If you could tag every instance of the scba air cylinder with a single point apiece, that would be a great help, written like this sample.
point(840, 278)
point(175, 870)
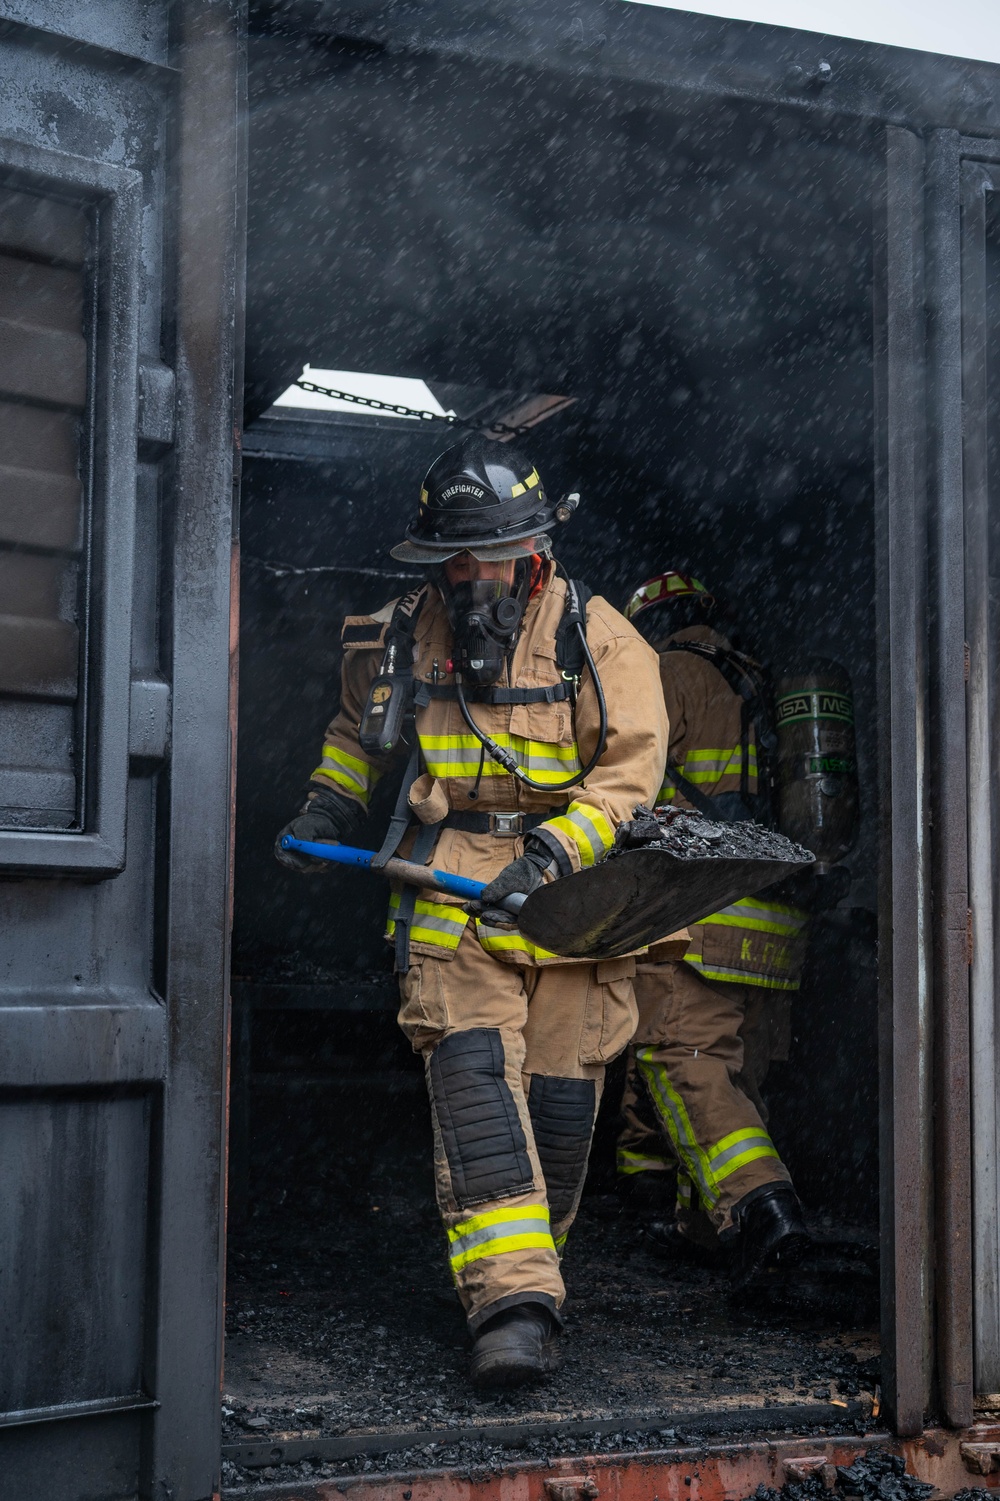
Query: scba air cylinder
point(817, 762)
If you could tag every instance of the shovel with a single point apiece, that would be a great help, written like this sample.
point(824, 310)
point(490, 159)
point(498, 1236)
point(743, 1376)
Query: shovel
point(638, 896)
point(621, 904)
point(401, 870)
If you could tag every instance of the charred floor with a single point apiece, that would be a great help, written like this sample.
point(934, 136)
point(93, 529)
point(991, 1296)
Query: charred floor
point(344, 1333)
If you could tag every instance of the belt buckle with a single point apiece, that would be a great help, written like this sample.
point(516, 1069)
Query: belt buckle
point(506, 825)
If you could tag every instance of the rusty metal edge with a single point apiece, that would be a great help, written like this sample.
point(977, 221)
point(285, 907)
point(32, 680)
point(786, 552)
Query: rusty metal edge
point(719, 1472)
point(730, 1420)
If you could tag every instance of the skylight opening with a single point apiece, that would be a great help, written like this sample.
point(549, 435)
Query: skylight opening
point(399, 390)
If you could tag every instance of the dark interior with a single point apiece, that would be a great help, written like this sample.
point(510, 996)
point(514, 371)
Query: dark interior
point(698, 277)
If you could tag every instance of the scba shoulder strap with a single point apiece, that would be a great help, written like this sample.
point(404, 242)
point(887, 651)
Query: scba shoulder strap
point(390, 697)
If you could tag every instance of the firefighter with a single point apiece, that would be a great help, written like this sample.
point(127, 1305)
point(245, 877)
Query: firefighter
point(714, 1002)
point(538, 724)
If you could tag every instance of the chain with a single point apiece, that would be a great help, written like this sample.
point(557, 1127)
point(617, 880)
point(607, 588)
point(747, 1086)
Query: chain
point(389, 406)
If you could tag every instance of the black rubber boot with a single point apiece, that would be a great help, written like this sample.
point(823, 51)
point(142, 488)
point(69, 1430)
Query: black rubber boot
point(514, 1348)
point(666, 1239)
point(772, 1233)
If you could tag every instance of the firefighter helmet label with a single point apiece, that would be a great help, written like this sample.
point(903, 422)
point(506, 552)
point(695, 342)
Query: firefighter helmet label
point(475, 492)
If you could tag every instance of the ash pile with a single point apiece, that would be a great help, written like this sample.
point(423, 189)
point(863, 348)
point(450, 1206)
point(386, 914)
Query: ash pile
point(688, 835)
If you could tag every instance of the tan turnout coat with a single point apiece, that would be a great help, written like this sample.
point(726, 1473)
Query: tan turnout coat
point(550, 740)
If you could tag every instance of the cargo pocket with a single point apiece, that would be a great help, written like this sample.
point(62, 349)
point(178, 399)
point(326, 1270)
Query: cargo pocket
point(544, 741)
point(423, 1008)
point(611, 1016)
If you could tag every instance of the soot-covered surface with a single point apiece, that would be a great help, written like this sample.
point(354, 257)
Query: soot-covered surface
point(341, 1320)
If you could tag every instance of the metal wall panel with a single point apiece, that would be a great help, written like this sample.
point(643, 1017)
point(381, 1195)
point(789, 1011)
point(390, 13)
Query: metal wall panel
point(73, 1175)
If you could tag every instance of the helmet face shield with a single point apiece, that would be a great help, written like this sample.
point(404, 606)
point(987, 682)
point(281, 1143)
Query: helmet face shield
point(486, 552)
point(485, 601)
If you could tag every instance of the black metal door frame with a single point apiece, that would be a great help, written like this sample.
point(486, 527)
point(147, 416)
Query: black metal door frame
point(939, 1027)
point(976, 164)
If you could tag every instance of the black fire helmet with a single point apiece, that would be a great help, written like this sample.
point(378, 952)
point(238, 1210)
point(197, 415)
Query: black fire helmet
point(480, 496)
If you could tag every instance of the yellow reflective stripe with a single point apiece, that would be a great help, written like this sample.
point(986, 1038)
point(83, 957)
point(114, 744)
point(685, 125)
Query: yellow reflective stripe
point(491, 1217)
point(721, 756)
point(674, 1114)
point(536, 1240)
point(739, 976)
point(499, 1231)
point(778, 909)
point(460, 755)
point(738, 1148)
point(433, 923)
point(639, 1162)
point(529, 484)
point(344, 780)
point(451, 745)
point(504, 941)
point(684, 1191)
point(707, 765)
point(762, 917)
point(743, 920)
point(561, 1240)
point(587, 827)
point(347, 771)
point(345, 759)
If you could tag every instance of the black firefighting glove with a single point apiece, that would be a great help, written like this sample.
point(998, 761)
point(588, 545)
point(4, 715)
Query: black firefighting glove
point(522, 875)
point(326, 818)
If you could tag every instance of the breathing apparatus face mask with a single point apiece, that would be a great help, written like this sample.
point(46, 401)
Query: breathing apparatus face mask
point(485, 615)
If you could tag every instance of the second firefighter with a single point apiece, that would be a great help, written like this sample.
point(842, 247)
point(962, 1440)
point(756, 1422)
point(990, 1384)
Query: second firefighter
point(713, 1003)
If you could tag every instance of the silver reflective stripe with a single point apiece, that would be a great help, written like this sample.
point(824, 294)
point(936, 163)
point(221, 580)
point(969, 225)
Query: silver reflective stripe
point(594, 839)
point(790, 922)
point(466, 756)
point(424, 919)
point(360, 780)
point(749, 1143)
point(681, 1132)
point(531, 1225)
point(741, 976)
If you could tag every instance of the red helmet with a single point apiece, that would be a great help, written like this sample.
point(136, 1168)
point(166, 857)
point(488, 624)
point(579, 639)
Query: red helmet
point(664, 589)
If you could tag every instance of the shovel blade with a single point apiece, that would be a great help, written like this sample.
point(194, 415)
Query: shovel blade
point(637, 897)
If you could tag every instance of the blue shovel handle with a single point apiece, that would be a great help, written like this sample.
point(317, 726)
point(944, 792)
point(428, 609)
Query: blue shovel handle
point(400, 870)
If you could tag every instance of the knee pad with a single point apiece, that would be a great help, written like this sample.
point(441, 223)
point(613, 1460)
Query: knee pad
point(476, 1113)
point(562, 1118)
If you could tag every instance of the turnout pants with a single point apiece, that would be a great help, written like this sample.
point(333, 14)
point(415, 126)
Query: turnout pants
point(692, 1094)
point(515, 1059)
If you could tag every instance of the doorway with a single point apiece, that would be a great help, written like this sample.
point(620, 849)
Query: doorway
point(697, 277)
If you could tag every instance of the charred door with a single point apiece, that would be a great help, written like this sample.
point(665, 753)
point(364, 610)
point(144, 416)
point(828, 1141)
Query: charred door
point(118, 273)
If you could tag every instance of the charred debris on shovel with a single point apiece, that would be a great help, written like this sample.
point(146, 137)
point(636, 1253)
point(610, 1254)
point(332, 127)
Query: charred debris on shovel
point(688, 835)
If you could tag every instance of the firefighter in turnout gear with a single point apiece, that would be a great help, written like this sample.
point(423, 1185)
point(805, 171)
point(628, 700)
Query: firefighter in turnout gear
point(531, 720)
point(714, 1002)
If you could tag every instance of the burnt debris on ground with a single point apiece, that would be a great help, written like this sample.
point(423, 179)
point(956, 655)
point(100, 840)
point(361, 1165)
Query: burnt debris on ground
point(341, 1319)
point(690, 836)
point(875, 1476)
